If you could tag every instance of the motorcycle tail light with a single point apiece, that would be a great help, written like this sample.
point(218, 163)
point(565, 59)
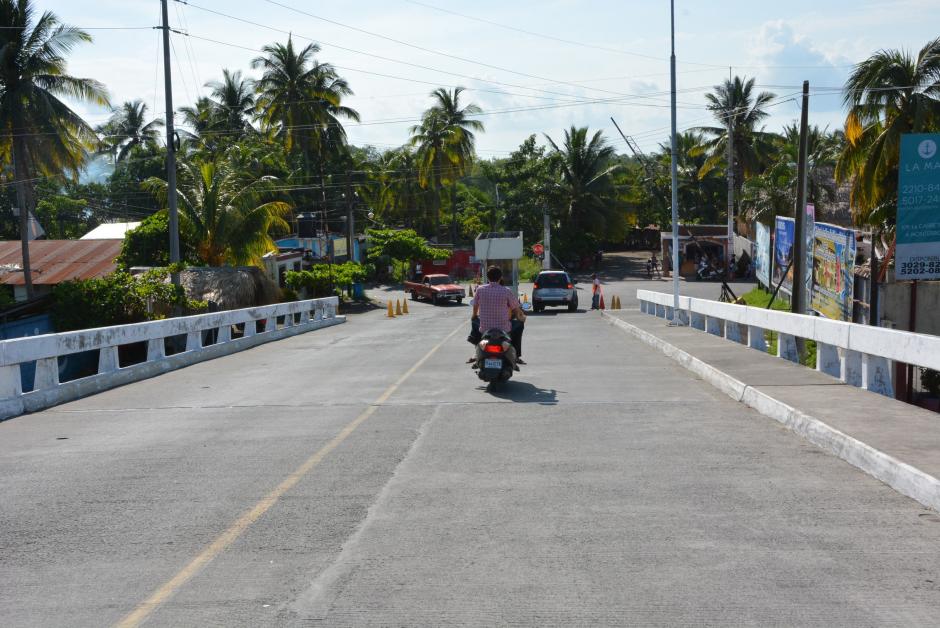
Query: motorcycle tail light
point(570, 286)
point(493, 348)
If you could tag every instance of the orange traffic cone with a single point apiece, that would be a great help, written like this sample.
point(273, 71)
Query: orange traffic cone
point(404, 306)
point(602, 300)
point(397, 307)
point(391, 312)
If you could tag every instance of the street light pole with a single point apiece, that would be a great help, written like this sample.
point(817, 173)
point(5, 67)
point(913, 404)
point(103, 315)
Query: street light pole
point(350, 224)
point(675, 170)
point(170, 149)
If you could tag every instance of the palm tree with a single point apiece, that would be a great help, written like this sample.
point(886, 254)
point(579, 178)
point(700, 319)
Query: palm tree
point(229, 213)
point(399, 197)
point(701, 194)
point(127, 129)
point(328, 91)
point(285, 92)
point(302, 99)
point(42, 133)
point(200, 118)
point(585, 183)
point(734, 101)
point(235, 100)
point(446, 142)
point(888, 94)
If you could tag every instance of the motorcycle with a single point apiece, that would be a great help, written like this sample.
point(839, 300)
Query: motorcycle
point(496, 357)
point(707, 273)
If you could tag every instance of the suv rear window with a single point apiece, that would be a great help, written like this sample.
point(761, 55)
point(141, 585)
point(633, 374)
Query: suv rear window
point(552, 280)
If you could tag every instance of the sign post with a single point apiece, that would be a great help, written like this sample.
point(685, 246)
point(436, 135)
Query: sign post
point(917, 254)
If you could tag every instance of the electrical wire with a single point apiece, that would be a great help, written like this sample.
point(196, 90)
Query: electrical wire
point(390, 59)
point(552, 37)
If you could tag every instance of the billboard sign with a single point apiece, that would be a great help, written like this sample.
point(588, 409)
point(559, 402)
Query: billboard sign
point(762, 259)
point(917, 254)
point(783, 253)
point(833, 271)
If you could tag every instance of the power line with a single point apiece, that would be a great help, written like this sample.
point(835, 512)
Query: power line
point(551, 37)
point(87, 28)
point(408, 44)
point(187, 45)
point(385, 58)
point(605, 48)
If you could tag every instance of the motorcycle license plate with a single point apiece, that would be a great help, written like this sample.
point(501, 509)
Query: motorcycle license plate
point(492, 364)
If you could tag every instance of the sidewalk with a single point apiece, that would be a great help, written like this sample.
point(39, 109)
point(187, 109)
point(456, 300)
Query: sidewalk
point(895, 442)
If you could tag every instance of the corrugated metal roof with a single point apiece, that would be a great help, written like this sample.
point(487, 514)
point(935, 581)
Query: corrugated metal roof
point(55, 261)
point(110, 231)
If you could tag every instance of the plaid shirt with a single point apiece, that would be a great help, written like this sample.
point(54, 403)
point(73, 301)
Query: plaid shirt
point(495, 302)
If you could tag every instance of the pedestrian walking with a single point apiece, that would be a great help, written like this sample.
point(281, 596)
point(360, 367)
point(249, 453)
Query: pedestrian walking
point(596, 296)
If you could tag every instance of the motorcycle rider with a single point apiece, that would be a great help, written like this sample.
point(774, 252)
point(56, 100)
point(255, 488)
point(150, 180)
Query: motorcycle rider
point(493, 304)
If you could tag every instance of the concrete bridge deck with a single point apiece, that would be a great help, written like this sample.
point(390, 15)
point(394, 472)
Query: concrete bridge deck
point(360, 476)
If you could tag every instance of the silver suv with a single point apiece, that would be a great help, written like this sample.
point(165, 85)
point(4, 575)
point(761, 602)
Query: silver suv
point(554, 287)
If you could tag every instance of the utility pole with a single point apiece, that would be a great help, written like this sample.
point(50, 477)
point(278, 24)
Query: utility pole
point(675, 169)
point(350, 225)
point(21, 200)
point(495, 211)
point(873, 295)
point(798, 300)
point(170, 149)
point(453, 213)
point(730, 187)
point(546, 241)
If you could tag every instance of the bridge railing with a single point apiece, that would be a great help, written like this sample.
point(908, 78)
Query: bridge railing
point(151, 348)
point(859, 355)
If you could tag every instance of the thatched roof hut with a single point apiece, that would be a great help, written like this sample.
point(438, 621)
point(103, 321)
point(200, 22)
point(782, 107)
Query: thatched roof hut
point(230, 288)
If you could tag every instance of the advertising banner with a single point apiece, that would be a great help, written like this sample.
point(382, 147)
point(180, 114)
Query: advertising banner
point(762, 259)
point(917, 254)
point(833, 271)
point(783, 253)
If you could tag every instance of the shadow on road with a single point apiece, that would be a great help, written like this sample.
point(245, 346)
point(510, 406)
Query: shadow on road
point(522, 392)
point(625, 265)
point(555, 312)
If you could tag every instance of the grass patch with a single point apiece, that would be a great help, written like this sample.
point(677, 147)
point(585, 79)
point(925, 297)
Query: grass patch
point(529, 269)
point(758, 297)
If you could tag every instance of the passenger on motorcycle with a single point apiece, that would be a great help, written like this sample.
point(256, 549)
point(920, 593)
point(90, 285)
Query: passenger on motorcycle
point(493, 305)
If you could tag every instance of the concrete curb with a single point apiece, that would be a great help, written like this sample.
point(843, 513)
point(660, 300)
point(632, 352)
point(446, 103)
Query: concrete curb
point(900, 476)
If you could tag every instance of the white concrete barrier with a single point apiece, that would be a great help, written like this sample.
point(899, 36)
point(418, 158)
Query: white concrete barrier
point(257, 326)
point(860, 355)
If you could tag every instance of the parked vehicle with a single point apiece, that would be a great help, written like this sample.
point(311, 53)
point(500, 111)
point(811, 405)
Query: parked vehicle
point(554, 287)
point(496, 357)
point(436, 288)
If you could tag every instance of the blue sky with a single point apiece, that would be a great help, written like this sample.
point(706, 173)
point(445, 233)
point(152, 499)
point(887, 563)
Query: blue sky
point(527, 83)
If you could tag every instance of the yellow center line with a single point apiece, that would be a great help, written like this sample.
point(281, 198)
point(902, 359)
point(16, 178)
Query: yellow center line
point(224, 540)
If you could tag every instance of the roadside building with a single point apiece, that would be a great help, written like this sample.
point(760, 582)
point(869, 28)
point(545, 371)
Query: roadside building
point(277, 265)
point(55, 261)
point(110, 231)
point(695, 242)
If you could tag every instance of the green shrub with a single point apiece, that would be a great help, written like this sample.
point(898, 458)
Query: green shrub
point(149, 243)
point(529, 268)
point(316, 281)
point(118, 299)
